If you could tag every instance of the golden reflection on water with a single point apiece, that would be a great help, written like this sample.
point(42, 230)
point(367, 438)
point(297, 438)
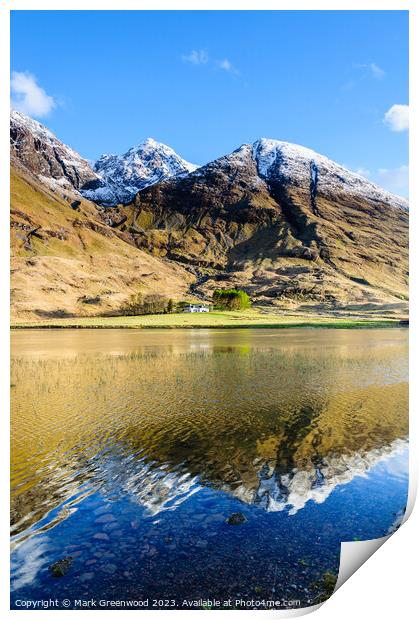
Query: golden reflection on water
point(272, 416)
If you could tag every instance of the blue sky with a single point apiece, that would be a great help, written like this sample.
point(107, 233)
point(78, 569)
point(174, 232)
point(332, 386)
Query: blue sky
point(205, 82)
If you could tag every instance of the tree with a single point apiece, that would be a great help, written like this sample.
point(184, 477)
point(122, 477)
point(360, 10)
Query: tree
point(150, 304)
point(231, 299)
point(135, 304)
point(154, 304)
point(170, 306)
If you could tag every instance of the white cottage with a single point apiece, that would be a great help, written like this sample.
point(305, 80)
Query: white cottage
point(196, 308)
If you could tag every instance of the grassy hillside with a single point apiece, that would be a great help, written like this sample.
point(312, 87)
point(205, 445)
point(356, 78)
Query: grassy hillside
point(65, 261)
point(244, 318)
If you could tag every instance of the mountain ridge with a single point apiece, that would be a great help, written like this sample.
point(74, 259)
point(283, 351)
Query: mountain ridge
point(112, 179)
point(265, 150)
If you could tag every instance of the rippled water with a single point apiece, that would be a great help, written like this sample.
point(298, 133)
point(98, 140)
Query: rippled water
point(131, 449)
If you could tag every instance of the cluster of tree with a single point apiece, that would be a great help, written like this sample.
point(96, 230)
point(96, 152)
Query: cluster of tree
point(155, 303)
point(149, 304)
point(231, 299)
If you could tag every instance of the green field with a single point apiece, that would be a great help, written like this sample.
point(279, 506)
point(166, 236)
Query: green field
point(233, 319)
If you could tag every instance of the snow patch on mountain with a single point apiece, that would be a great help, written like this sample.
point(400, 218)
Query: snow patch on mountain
point(66, 156)
point(44, 155)
point(296, 165)
point(36, 128)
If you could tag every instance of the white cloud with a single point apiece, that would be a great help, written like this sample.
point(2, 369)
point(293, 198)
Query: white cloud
point(196, 57)
point(377, 72)
point(395, 179)
point(228, 66)
point(373, 69)
point(28, 97)
point(363, 172)
point(397, 117)
point(201, 57)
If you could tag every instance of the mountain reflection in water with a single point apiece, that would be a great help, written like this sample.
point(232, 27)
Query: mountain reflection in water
point(271, 418)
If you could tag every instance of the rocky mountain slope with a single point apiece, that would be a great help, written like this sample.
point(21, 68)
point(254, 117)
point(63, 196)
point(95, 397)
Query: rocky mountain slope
point(33, 147)
point(113, 179)
point(282, 222)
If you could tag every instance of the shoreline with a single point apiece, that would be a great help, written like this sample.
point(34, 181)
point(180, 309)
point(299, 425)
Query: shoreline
point(220, 320)
point(190, 327)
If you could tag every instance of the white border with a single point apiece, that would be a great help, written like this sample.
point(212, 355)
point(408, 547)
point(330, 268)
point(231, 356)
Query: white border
point(386, 586)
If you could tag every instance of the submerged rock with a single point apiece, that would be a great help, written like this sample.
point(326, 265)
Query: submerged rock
point(237, 518)
point(61, 568)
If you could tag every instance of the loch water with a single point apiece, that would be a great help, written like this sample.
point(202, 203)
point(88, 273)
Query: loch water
point(167, 467)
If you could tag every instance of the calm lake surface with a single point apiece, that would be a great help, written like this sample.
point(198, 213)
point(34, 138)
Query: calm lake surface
point(132, 448)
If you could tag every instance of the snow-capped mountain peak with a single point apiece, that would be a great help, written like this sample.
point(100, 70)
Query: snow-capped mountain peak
point(52, 161)
point(141, 166)
point(298, 165)
point(151, 142)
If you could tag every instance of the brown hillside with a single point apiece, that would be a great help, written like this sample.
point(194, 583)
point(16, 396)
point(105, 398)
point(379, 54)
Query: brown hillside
point(273, 237)
point(66, 261)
